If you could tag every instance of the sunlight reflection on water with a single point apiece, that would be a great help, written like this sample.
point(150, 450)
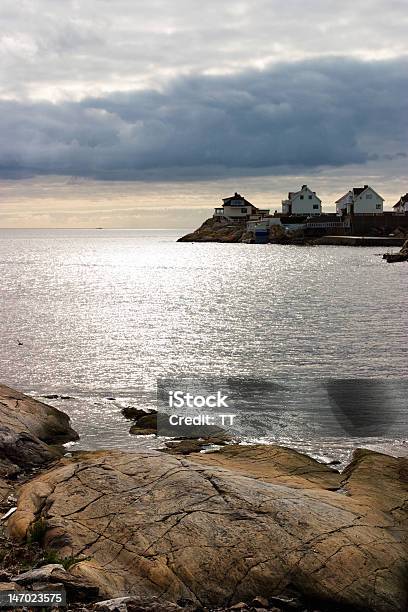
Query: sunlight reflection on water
point(105, 313)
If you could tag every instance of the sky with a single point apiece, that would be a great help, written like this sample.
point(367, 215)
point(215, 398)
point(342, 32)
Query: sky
point(144, 115)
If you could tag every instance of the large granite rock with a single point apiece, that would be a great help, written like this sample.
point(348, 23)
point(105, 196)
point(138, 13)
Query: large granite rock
point(22, 413)
point(154, 524)
point(28, 428)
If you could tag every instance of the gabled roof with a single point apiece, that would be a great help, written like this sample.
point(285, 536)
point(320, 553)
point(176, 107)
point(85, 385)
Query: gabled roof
point(237, 196)
point(356, 191)
point(343, 196)
point(359, 190)
point(293, 194)
point(403, 200)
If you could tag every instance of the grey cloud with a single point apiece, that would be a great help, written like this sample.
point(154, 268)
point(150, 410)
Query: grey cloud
point(303, 115)
point(54, 49)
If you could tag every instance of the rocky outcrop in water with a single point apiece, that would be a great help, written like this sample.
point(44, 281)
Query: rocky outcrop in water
point(221, 529)
point(214, 230)
point(30, 434)
point(22, 413)
point(145, 425)
point(144, 421)
point(402, 255)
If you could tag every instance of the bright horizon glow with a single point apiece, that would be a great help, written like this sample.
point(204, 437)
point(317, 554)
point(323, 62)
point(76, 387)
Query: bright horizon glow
point(60, 202)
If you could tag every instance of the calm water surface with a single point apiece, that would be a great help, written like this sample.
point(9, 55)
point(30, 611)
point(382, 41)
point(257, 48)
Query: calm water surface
point(105, 313)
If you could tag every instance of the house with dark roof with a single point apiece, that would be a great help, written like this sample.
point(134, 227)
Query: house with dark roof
point(238, 208)
point(360, 201)
point(302, 202)
point(401, 207)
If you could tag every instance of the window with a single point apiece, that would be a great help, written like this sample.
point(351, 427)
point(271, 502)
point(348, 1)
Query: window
point(378, 206)
point(243, 210)
point(316, 206)
point(369, 196)
point(302, 197)
point(310, 197)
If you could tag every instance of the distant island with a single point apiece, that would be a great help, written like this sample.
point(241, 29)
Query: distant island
point(359, 219)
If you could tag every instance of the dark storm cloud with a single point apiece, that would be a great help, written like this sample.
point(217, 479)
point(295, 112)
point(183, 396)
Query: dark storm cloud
point(318, 112)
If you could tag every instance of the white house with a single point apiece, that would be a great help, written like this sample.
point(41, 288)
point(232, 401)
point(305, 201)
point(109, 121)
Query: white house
point(237, 208)
point(360, 201)
point(302, 202)
point(401, 207)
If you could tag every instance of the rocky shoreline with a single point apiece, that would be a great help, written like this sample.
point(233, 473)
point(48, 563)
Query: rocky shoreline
point(214, 230)
point(402, 254)
point(224, 230)
point(242, 528)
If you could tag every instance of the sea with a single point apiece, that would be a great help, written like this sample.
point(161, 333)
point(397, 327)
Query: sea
point(316, 337)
